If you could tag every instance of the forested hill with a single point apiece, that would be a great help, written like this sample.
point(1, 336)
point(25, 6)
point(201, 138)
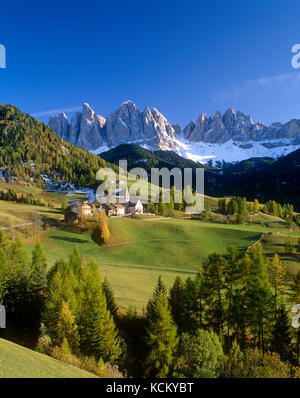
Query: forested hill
point(140, 157)
point(278, 180)
point(29, 150)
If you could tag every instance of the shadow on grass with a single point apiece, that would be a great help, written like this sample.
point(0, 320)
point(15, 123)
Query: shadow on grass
point(51, 211)
point(69, 239)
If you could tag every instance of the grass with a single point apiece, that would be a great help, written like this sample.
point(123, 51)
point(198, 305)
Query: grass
point(12, 213)
point(134, 286)
point(266, 220)
point(166, 243)
point(161, 243)
point(275, 243)
point(20, 362)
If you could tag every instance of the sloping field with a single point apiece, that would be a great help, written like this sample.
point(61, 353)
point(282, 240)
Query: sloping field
point(19, 362)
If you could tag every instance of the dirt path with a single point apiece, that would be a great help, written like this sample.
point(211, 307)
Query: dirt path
point(16, 226)
point(132, 242)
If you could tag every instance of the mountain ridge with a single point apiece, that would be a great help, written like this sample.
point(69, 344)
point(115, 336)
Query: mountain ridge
point(232, 136)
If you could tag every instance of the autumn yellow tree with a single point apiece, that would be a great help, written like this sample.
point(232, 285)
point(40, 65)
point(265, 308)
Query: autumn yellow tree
point(256, 205)
point(277, 276)
point(102, 233)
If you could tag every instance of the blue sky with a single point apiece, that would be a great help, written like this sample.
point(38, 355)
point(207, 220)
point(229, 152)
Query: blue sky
point(182, 56)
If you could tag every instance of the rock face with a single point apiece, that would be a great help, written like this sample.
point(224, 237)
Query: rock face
point(149, 128)
point(60, 125)
point(128, 124)
point(238, 127)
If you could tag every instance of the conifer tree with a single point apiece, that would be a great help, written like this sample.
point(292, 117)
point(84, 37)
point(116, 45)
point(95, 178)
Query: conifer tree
point(39, 267)
point(110, 299)
point(161, 338)
point(98, 334)
point(159, 289)
point(67, 328)
point(193, 304)
point(281, 336)
point(258, 294)
point(62, 285)
point(75, 261)
point(277, 277)
point(176, 302)
point(213, 283)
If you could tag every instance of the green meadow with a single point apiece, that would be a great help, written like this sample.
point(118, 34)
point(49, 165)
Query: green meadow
point(19, 362)
point(142, 249)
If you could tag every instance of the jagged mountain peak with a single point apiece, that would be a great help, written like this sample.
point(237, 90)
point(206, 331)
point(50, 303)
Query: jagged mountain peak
point(235, 130)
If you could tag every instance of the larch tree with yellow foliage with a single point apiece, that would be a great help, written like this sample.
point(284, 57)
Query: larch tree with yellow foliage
point(256, 205)
point(277, 276)
point(102, 232)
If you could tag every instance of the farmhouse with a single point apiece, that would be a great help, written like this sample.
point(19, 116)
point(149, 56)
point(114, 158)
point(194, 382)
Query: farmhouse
point(85, 207)
point(134, 208)
point(72, 212)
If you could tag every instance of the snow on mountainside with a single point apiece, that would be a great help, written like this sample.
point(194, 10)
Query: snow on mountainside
point(230, 137)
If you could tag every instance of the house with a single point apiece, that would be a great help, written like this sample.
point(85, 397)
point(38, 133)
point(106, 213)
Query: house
point(110, 210)
point(85, 207)
point(70, 216)
point(120, 210)
point(134, 208)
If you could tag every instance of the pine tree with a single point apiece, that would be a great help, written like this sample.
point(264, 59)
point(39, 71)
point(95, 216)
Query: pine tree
point(98, 334)
point(277, 277)
point(67, 328)
point(281, 336)
point(193, 304)
point(159, 289)
point(162, 339)
point(39, 267)
point(213, 283)
point(258, 294)
point(110, 298)
point(75, 261)
point(62, 285)
point(176, 302)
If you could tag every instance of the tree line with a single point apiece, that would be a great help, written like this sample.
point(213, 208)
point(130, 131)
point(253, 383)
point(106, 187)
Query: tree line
point(230, 320)
point(12, 195)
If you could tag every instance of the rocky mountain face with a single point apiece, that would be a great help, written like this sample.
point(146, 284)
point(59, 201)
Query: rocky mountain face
point(240, 128)
point(150, 129)
point(127, 124)
point(85, 130)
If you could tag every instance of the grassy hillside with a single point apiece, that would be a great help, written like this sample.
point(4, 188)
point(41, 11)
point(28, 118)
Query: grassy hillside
point(275, 243)
point(20, 362)
point(142, 249)
point(166, 243)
